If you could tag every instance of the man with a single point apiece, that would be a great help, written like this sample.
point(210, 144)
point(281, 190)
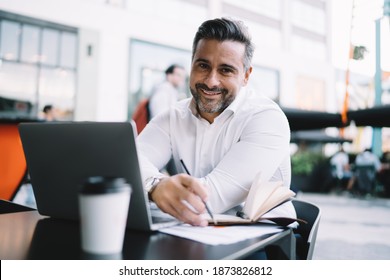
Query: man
point(49, 113)
point(223, 134)
point(166, 94)
point(340, 161)
point(367, 165)
point(368, 157)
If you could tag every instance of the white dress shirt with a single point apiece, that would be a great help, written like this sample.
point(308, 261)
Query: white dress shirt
point(251, 135)
point(340, 161)
point(367, 158)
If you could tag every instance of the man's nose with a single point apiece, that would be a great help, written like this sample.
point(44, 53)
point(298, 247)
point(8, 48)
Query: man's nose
point(212, 79)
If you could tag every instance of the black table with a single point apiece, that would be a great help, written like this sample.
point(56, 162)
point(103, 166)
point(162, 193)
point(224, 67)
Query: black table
point(28, 235)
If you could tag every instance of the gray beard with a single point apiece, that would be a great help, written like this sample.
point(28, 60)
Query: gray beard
point(217, 108)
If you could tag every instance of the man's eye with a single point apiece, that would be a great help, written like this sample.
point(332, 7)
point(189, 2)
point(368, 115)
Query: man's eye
point(226, 70)
point(203, 65)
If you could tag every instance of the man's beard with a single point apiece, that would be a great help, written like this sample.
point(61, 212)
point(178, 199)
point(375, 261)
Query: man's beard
point(210, 105)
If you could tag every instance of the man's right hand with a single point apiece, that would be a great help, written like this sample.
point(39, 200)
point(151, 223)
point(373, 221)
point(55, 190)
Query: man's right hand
point(182, 196)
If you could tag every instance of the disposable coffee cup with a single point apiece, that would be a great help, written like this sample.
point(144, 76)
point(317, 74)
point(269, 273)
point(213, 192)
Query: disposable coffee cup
point(104, 204)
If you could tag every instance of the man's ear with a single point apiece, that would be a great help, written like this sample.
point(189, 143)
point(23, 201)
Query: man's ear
point(246, 77)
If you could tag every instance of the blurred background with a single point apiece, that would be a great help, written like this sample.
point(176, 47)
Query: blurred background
point(94, 60)
point(325, 62)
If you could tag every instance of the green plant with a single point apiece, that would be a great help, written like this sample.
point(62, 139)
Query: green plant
point(303, 163)
point(359, 52)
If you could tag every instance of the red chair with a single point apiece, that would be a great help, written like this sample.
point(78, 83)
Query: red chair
point(13, 167)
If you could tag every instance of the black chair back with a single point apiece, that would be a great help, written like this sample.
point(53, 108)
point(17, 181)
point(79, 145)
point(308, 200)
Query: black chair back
point(307, 233)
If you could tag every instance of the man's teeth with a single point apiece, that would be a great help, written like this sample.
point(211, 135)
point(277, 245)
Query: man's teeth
point(211, 92)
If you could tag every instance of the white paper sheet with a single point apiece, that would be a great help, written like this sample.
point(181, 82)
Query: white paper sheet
point(217, 235)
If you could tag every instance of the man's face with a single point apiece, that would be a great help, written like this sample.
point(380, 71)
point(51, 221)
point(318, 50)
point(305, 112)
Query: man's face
point(217, 75)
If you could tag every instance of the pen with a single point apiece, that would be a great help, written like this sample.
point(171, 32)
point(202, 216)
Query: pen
point(205, 203)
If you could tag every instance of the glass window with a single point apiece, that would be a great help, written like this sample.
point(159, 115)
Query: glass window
point(57, 87)
point(265, 35)
point(308, 48)
point(58, 83)
point(68, 50)
point(310, 93)
point(12, 86)
point(270, 8)
point(50, 47)
point(37, 64)
point(308, 17)
point(30, 44)
point(9, 41)
point(260, 31)
point(265, 81)
point(178, 11)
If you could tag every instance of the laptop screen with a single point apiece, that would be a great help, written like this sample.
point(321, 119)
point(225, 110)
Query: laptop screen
point(61, 155)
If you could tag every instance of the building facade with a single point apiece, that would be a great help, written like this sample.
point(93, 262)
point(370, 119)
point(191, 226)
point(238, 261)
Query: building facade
point(95, 59)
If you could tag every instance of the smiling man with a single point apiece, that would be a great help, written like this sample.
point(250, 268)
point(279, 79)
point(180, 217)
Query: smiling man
point(225, 135)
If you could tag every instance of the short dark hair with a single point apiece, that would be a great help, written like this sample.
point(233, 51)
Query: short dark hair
point(223, 29)
point(47, 108)
point(172, 68)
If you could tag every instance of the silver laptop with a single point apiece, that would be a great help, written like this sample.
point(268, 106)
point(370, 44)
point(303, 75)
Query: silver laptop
point(61, 155)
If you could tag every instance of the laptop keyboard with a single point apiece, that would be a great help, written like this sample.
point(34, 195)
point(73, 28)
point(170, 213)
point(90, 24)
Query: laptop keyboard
point(158, 216)
point(162, 219)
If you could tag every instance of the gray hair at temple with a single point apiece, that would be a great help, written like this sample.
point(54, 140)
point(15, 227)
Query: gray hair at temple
point(223, 29)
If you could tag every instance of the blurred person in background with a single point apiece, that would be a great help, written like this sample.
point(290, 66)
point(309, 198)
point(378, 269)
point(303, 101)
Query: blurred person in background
point(367, 157)
point(166, 94)
point(49, 113)
point(367, 165)
point(341, 168)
